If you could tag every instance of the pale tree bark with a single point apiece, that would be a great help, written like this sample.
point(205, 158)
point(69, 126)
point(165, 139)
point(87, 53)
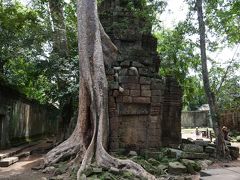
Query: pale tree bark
point(89, 140)
point(222, 150)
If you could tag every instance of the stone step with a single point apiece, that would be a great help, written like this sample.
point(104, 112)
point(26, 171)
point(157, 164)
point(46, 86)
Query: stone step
point(16, 150)
point(4, 155)
point(8, 161)
point(23, 154)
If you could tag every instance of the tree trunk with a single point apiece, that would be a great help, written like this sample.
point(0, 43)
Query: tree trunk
point(220, 142)
point(90, 137)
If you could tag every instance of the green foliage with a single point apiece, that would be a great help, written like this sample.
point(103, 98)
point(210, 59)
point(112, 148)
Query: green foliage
point(223, 17)
point(26, 44)
point(177, 53)
point(21, 38)
point(178, 59)
point(228, 95)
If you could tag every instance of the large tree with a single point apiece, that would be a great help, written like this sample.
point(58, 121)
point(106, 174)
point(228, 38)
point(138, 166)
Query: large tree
point(222, 150)
point(89, 139)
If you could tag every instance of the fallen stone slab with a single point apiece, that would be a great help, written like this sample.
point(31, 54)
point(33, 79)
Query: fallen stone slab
point(176, 168)
point(234, 152)
point(23, 154)
point(174, 153)
point(8, 161)
point(210, 149)
point(192, 155)
point(132, 153)
point(5, 155)
point(187, 141)
point(204, 163)
point(202, 142)
point(192, 148)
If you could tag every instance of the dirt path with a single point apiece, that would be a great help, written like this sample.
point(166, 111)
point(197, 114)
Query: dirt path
point(22, 169)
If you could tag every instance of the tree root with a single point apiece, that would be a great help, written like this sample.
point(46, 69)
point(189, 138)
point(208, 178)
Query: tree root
point(61, 153)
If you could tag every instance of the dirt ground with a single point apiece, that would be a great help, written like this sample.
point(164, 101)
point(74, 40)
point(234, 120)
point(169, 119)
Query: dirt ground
point(22, 169)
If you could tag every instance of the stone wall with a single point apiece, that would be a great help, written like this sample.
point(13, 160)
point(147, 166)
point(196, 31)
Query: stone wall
point(22, 119)
point(231, 119)
point(172, 107)
point(193, 119)
point(142, 105)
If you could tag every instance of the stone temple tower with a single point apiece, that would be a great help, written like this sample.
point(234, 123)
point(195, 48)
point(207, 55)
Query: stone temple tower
point(144, 108)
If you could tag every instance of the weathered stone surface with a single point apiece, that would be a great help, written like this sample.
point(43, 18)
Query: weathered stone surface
point(126, 92)
point(234, 152)
point(187, 141)
point(204, 163)
point(192, 155)
point(119, 99)
point(157, 85)
point(201, 142)
point(123, 72)
point(238, 138)
point(191, 165)
point(131, 86)
point(2, 156)
point(175, 153)
point(125, 64)
point(132, 153)
point(133, 71)
point(127, 99)
point(115, 93)
point(156, 99)
point(146, 93)
point(145, 87)
point(192, 148)
point(137, 64)
point(176, 168)
point(113, 85)
point(156, 92)
point(133, 109)
point(144, 72)
point(128, 79)
point(143, 100)
point(135, 93)
point(8, 161)
point(210, 149)
point(145, 80)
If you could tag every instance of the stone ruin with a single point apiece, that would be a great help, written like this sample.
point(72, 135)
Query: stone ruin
point(22, 119)
point(144, 108)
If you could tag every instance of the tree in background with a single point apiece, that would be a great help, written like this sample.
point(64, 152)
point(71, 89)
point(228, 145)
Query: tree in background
point(222, 149)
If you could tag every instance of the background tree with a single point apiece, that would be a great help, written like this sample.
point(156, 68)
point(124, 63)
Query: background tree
point(222, 150)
